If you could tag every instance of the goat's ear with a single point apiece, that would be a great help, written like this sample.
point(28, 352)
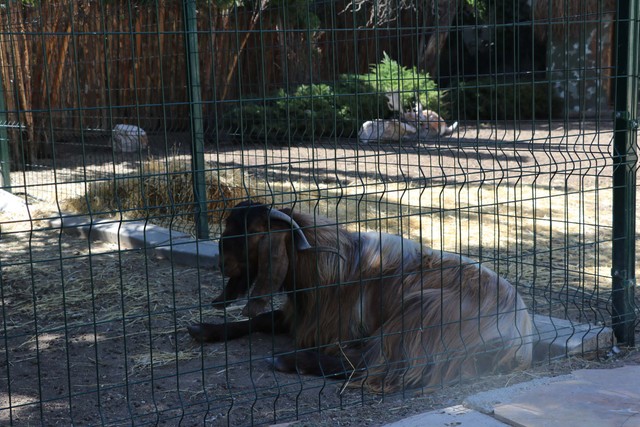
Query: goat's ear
point(273, 265)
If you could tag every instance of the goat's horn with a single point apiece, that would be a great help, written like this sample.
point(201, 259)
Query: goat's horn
point(301, 242)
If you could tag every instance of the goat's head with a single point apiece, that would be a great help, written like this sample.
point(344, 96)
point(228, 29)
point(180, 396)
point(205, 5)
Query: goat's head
point(254, 240)
point(241, 230)
point(247, 224)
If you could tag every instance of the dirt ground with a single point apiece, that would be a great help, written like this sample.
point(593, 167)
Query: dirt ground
point(105, 343)
point(94, 333)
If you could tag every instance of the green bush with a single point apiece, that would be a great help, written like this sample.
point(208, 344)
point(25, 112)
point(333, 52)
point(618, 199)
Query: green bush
point(389, 76)
point(489, 99)
point(310, 111)
point(336, 109)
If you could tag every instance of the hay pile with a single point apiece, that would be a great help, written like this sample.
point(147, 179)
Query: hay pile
point(161, 193)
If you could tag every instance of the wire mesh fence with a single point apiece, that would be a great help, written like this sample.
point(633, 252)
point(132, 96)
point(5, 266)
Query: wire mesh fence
point(418, 147)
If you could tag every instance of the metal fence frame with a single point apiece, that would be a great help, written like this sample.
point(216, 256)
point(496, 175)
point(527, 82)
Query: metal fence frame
point(625, 169)
point(624, 312)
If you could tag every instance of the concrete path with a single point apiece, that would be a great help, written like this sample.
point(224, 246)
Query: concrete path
point(585, 398)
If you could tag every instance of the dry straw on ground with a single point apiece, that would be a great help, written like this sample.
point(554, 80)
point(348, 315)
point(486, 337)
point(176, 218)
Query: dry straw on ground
point(551, 242)
point(122, 314)
point(539, 237)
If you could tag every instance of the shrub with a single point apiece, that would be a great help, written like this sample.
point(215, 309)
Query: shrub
point(310, 111)
point(389, 76)
point(336, 109)
point(489, 99)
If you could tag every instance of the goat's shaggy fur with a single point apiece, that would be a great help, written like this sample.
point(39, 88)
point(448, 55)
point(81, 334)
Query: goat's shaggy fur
point(394, 313)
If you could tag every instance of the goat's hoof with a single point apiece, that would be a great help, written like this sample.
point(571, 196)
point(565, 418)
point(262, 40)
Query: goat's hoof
point(254, 307)
point(286, 363)
point(250, 310)
point(224, 299)
point(197, 332)
point(207, 332)
point(278, 364)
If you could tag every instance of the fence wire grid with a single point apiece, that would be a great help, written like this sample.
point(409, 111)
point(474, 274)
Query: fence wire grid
point(444, 249)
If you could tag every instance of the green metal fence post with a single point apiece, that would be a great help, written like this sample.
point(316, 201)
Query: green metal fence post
point(195, 106)
point(5, 161)
point(624, 172)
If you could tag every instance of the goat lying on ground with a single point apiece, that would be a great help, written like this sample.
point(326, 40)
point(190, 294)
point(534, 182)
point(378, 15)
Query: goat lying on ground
point(385, 311)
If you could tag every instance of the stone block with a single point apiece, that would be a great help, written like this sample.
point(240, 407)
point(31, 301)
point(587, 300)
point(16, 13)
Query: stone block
point(558, 337)
point(190, 252)
point(453, 416)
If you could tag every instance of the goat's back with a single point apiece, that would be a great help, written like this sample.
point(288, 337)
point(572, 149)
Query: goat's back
point(424, 313)
point(452, 319)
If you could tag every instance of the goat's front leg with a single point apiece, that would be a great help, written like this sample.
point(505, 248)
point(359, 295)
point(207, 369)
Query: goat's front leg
point(314, 362)
point(272, 322)
point(236, 286)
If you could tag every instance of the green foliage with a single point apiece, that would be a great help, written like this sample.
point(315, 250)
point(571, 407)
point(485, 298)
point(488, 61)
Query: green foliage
point(359, 100)
point(389, 76)
point(311, 111)
point(488, 99)
point(332, 110)
point(480, 9)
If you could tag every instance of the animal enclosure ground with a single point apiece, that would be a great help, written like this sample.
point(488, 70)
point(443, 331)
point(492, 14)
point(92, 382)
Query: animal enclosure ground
point(95, 333)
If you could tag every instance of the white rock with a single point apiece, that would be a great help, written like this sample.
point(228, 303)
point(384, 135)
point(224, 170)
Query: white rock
point(129, 138)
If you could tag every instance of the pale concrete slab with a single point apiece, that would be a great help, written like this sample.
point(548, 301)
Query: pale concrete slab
point(179, 247)
point(71, 224)
point(588, 397)
point(458, 416)
point(130, 234)
point(190, 252)
point(12, 204)
point(138, 234)
point(558, 337)
point(486, 401)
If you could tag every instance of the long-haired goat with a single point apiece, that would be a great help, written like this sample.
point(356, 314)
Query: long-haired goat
point(384, 311)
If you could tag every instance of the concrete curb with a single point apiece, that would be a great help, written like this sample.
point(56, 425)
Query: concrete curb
point(559, 337)
point(179, 247)
point(12, 204)
point(190, 252)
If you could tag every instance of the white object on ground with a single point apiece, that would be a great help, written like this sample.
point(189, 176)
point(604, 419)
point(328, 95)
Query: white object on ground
point(129, 138)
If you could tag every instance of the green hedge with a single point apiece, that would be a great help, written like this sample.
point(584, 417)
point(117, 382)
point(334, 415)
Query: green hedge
point(334, 109)
point(490, 99)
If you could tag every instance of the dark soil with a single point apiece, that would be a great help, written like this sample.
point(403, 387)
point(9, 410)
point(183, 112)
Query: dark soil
point(95, 334)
